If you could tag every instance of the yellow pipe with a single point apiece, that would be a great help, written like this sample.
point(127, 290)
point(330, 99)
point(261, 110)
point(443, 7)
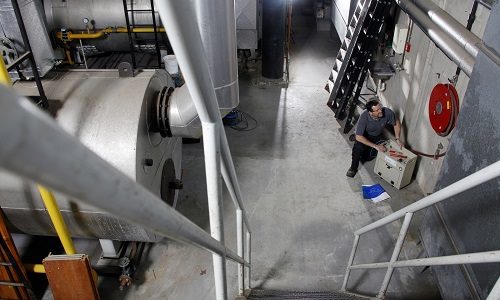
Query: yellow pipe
point(57, 219)
point(34, 268)
point(69, 36)
point(4, 74)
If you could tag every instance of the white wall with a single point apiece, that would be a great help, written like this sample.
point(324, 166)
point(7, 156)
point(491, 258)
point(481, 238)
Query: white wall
point(409, 90)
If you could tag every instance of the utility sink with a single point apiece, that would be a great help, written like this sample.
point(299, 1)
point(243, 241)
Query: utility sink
point(382, 70)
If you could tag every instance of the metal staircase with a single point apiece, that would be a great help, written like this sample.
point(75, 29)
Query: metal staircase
point(354, 57)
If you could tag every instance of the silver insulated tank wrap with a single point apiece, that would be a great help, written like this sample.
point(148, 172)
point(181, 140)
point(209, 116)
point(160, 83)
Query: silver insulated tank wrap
point(112, 116)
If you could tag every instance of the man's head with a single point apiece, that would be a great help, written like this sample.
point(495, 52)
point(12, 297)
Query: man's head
point(374, 109)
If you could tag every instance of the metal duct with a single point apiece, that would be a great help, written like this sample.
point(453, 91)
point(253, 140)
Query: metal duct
point(217, 25)
point(468, 40)
point(439, 36)
point(182, 116)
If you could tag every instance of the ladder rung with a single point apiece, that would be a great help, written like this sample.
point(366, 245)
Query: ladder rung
point(5, 264)
point(360, 5)
point(11, 283)
point(139, 10)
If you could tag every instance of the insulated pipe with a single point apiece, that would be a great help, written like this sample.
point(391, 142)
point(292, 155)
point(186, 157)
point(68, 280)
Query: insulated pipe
point(441, 38)
point(490, 172)
point(450, 25)
point(82, 174)
point(217, 27)
point(182, 115)
point(468, 40)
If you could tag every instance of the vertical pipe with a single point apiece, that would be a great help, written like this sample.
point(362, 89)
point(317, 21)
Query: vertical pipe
point(395, 254)
point(55, 215)
point(273, 37)
point(27, 45)
point(248, 254)
point(239, 239)
point(349, 263)
point(217, 26)
point(211, 146)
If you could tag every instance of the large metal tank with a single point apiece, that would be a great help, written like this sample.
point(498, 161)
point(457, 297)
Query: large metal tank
point(114, 117)
point(70, 14)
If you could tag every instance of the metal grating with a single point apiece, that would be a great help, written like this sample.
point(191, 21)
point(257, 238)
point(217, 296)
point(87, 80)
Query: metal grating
point(301, 295)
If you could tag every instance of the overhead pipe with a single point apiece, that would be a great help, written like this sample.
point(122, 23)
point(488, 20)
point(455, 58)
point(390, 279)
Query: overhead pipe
point(451, 48)
point(468, 40)
point(83, 175)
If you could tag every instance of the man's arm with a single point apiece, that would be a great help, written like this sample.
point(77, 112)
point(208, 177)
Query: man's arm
point(365, 141)
point(397, 132)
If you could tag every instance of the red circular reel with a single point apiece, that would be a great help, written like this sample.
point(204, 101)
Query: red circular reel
point(443, 108)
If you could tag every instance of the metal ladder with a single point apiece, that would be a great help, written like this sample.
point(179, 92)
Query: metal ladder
point(353, 59)
point(132, 37)
point(42, 101)
point(14, 283)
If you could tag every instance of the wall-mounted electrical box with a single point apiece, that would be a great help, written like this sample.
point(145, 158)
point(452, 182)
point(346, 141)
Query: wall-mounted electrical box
point(399, 39)
point(396, 165)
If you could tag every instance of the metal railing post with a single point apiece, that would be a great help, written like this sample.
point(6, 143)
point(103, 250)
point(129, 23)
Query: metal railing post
point(211, 146)
point(248, 254)
point(395, 254)
point(239, 238)
point(349, 263)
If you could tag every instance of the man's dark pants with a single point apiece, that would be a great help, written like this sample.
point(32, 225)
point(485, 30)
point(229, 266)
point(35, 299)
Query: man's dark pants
point(361, 151)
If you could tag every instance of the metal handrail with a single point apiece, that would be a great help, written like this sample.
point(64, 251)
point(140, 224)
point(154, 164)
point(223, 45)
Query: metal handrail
point(475, 179)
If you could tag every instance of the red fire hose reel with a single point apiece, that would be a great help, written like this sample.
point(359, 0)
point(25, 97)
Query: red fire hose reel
point(443, 108)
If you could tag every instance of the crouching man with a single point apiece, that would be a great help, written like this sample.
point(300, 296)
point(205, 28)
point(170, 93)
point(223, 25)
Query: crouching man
point(369, 130)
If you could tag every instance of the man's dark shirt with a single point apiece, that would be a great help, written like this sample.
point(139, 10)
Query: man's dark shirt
point(368, 126)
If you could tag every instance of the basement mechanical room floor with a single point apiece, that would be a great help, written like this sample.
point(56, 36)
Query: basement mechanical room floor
point(302, 208)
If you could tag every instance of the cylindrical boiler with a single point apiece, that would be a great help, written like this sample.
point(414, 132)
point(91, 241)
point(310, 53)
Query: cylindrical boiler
point(114, 117)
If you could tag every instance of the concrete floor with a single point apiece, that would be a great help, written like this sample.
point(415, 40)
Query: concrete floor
point(301, 206)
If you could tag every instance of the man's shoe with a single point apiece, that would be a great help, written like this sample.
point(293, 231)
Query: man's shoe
point(350, 173)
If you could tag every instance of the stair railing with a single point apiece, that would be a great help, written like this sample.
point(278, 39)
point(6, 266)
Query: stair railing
point(475, 179)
